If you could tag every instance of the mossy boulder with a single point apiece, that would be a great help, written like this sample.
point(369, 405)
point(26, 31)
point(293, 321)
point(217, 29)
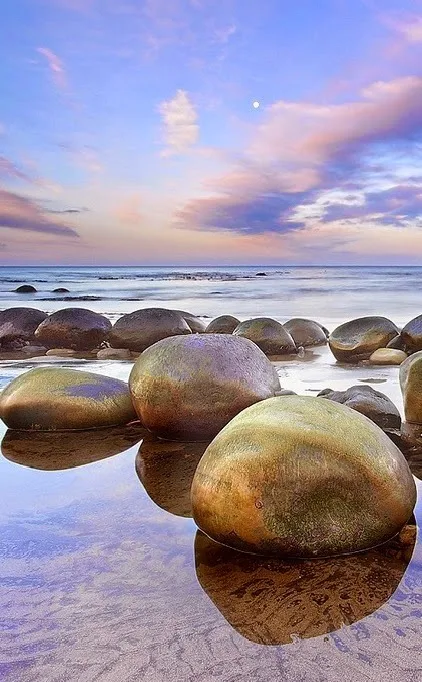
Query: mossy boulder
point(302, 477)
point(61, 399)
point(306, 332)
point(268, 334)
point(76, 328)
point(142, 328)
point(410, 374)
point(18, 325)
point(225, 324)
point(356, 340)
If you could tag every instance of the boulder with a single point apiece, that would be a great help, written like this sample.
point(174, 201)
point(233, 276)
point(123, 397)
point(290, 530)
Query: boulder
point(61, 290)
point(358, 339)
point(49, 451)
point(225, 324)
point(18, 325)
point(397, 343)
point(268, 334)
point(59, 399)
point(114, 354)
point(196, 325)
point(26, 289)
point(302, 477)
point(364, 399)
point(142, 328)
point(411, 335)
point(76, 328)
point(305, 332)
point(387, 356)
point(189, 387)
point(410, 374)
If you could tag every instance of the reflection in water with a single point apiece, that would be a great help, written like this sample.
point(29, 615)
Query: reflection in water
point(270, 601)
point(166, 470)
point(52, 451)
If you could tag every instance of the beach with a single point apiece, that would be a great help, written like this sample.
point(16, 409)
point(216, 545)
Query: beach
point(104, 575)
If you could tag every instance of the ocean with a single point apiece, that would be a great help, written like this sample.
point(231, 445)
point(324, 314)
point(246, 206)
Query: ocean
point(330, 295)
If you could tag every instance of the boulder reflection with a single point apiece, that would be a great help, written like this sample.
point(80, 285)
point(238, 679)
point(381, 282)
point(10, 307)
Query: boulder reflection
point(54, 451)
point(166, 469)
point(270, 601)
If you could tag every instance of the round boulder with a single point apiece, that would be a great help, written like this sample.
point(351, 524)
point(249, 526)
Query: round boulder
point(189, 387)
point(61, 290)
point(268, 334)
point(373, 404)
point(26, 289)
point(387, 356)
point(410, 374)
point(196, 325)
point(18, 325)
point(76, 328)
point(397, 343)
point(59, 399)
point(225, 324)
point(411, 335)
point(302, 477)
point(305, 332)
point(142, 328)
point(356, 340)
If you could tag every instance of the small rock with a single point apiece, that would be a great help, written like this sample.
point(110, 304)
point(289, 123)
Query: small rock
point(369, 402)
point(114, 354)
point(61, 352)
point(387, 356)
point(61, 290)
point(26, 289)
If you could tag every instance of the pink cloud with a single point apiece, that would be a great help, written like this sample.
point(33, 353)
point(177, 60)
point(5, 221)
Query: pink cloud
point(56, 67)
point(20, 213)
point(8, 169)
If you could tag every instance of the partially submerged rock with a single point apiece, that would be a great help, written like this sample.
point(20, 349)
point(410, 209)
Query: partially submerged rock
point(358, 339)
point(387, 356)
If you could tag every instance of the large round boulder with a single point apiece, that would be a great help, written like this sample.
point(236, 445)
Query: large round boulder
point(76, 328)
point(225, 324)
point(60, 399)
point(189, 387)
point(356, 340)
point(196, 325)
point(410, 374)
point(18, 325)
point(268, 334)
point(373, 404)
point(305, 332)
point(142, 328)
point(302, 477)
point(411, 335)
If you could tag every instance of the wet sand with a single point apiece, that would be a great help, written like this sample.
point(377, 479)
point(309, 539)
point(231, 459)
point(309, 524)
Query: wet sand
point(104, 576)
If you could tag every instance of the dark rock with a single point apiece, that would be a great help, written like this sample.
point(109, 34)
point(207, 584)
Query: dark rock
point(61, 290)
point(75, 328)
point(356, 340)
point(411, 335)
point(397, 343)
point(225, 324)
point(196, 325)
point(142, 328)
point(26, 289)
point(18, 325)
point(305, 332)
point(366, 400)
point(268, 334)
point(261, 274)
point(189, 387)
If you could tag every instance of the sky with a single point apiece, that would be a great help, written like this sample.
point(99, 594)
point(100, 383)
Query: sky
point(129, 135)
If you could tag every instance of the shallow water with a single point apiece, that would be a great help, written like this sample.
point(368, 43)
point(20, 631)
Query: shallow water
point(105, 577)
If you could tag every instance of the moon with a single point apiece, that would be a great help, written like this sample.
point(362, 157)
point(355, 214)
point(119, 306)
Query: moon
point(255, 105)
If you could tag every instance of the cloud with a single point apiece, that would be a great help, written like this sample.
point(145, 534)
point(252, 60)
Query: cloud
point(394, 206)
point(180, 127)
point(128, 212)
point(409, 26)
point(9, 170)
point(303, 150)
point(56, 67)
point(20, 213)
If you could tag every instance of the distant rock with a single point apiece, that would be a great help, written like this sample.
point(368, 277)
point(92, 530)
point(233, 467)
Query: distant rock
point(59, 399)
point(26, 289)
point(356, 340)
point(261, 274)
point(268, 334)
point(61, 290)
point(225, 324)
point(76, 328)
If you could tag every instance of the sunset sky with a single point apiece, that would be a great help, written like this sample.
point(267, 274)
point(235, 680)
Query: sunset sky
point(128, 133)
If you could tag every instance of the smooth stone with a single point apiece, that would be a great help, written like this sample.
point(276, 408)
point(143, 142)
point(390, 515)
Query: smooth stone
point(411, 335)
point(49, 451)
point(268, 334)
point(61, 399)
point(387, 356)
point(189, 387)
point(366, 400)
point(196, 325)
point(272, 602)
point(61, 352)
point(166, 470)
point(305, 332)
point(61, 290)
point(358, 339)
point(34, 350)
point(302, 477)
point(114, 354)
point(410, 375)
point(26, 289)
point(142, 328)
point(18, 325)
point(76, 328)
point(397, 343)
point(225, 324)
